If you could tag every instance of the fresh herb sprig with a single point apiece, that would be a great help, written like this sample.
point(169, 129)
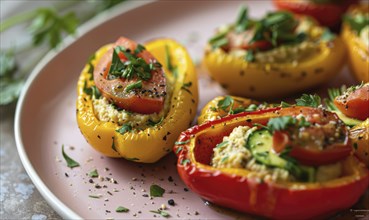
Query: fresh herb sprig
point(357, 22)
point(47, 27)
point(133, 67)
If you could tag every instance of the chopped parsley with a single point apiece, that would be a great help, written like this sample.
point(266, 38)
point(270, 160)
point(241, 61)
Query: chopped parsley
point(156, 191)
point(221, 144)
point(185, 161)
point(121, 209)
point(124, 129)
point(182, 142)
point(93, 173)
point(154, 123)
point(70, 162)
point(169, 64)
point(134, 66)
point(91, 91)
point(281, 123)
point(135, 85)
point(327, 35)
point(161, 212)
point(226, 103)
point(357, 22)
point(309, 100)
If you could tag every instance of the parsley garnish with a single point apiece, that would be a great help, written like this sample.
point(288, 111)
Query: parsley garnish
point(93, 173)
point(221, 144)
point(135, 85)
point(168, 62)
point(185, 161)
point(124, 129)
point(357, 22)
point(281, 123)
point(181, 142)
point(178, 150)
point(134, 66)
point(249, 56)
point(327, 35)
point(308, 100)
point(113, 146)
point(92, 91)
point(94, 196)
point(153, 123)
point(225, 103)
point(156, 191)
point(121, 209)
point(70, 162)
point(161, 212)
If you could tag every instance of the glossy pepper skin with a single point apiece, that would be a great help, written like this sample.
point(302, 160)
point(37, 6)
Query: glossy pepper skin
point(272, 80)
point(359, 135)
point(238, 189)
point(358, 53)
point(209, 114)
point(152, 143)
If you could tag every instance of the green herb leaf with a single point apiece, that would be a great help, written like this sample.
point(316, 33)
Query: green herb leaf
point(357, 22)
point(156, 191)
point(135, 85)
point(113, 145)
point(49, 26)
point(185, 162)
point(121, 209)
point(225, 103)
point(179, 150)
point(134, 66)
point(10, 90)
point(154, 123)
point(70, 162)
point(139, 49)
point(222, 144)
point(95, 196)
point(161, 212)
point(308, 100)
point(249, 56)
point(124, 129)
point(280, 123)
point(285, 104)
point(93, 173)
point(327, 35)
point(132, 159)
point(7, 63)
point(182, 142)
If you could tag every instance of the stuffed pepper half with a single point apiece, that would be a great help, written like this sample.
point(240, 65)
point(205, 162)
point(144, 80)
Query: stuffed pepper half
point(356, 37)
point(134, 100)
point(283, 163)
point(273, 56)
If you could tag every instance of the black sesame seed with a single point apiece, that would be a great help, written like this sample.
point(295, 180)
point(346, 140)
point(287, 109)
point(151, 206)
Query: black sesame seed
point(170, 179)
point(185, 189)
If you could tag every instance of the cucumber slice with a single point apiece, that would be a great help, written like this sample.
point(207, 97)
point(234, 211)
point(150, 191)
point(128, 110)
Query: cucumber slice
point(260, 144)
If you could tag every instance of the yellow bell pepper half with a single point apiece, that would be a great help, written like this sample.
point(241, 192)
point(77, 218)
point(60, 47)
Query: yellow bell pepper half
point(152, 143)
point(358, 52)
point(211, 111)
point(272, 80)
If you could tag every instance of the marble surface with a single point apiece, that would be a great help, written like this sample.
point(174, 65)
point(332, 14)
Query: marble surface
point(19, 199)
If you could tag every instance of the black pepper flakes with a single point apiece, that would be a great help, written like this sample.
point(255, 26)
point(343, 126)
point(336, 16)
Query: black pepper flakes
point(185, 189)
point(66, 174)
point(170, 179)
point(171, 202)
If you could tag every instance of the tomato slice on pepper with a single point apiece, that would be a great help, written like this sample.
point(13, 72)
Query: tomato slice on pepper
point(133, 93)
point(328, 14)
point(354, 104)
point(316, 139)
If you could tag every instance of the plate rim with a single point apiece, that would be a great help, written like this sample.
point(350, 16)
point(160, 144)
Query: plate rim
point(61, 208)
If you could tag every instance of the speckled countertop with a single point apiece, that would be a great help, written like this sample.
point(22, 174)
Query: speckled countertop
point(19, 198)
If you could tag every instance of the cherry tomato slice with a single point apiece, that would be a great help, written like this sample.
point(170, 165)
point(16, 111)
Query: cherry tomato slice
point(328, 14)
point(324, 141)
point(146, 100)
point(355, 104)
